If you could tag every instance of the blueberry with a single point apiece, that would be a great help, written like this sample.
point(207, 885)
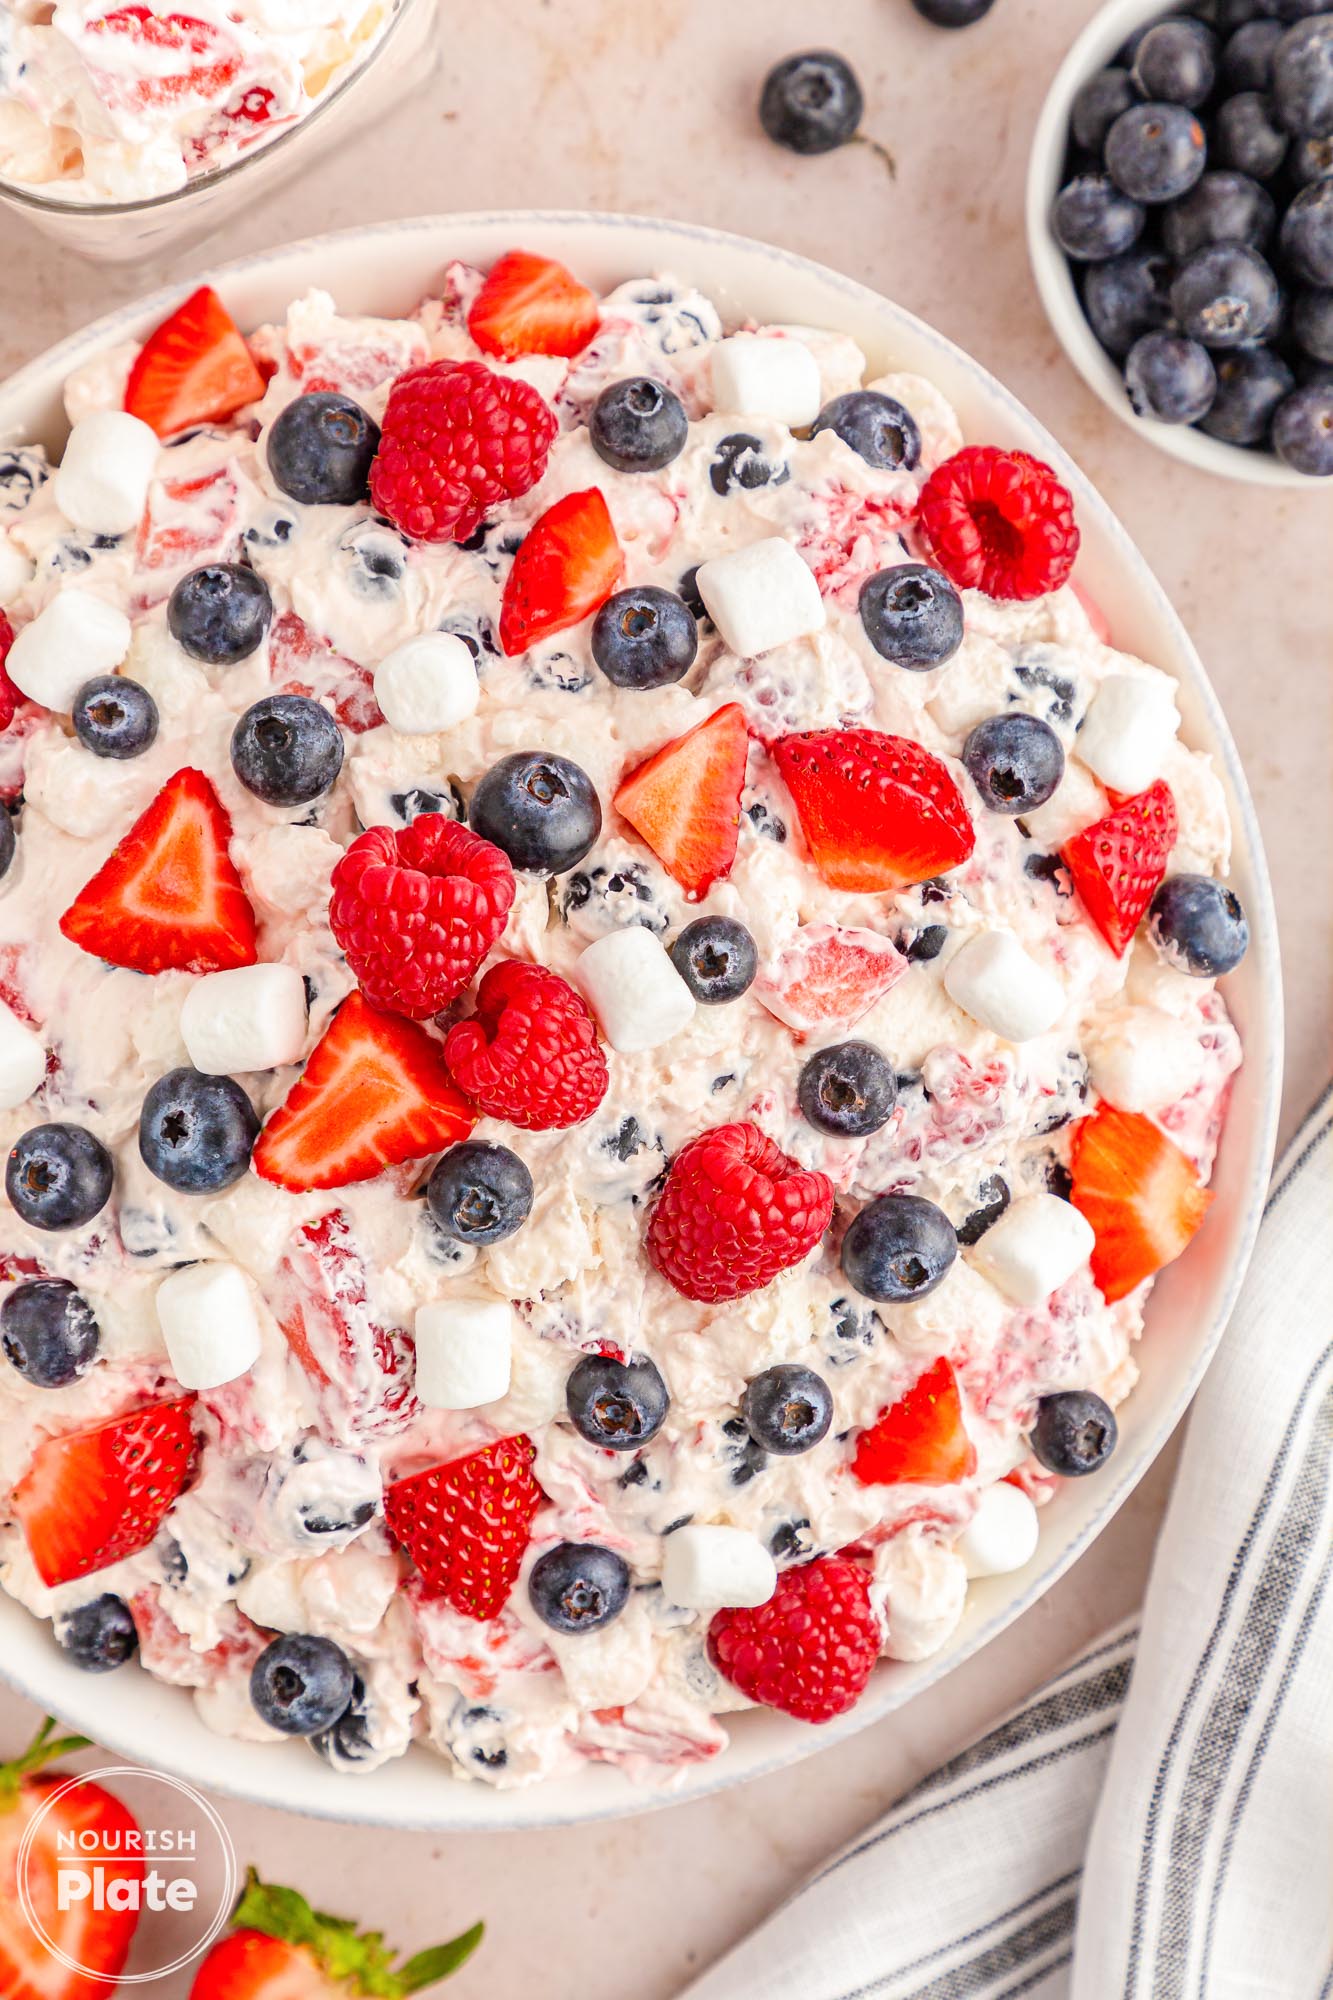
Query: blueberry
point(1247, 136)
point(739, 461)
point(1307, 233)
point(912, 615)
point(22, 471)
point(114, 717)
point(301, 1684)
point(1176, 63)
point(994, 1199)
point(8, 842)
point(848, 1090)
point(320, 450)
point(1015, 760)
point(1198, 925)
point(479, 1193)
point(1251, 382)
point(811, 103)
point(1126, 298)
point(1155, 152)
point(1225, 295)
point(579, 1586)
point(1093, 221)
point(638, 425)
point(58, 1176)
point(1221, 208)
point(1075, 1432)
point(1312, 322)
point(100, 1635)
point(220, 613)
point(618, 1405)
point(48, 1332)
point(925, 944)
point(877, 428)
point(688, 592)
point(717, 958)
point(787, 1409)
point(953, 13)
point(900, 1247)
point(1310, 160)
point(287, 750)
point(348, 1743)
point(644, 638)
point(1049, 868)
point(1303, 78)
point(417, 799)
point(372, 558)
point(1247, 59)
point(540, 810)
point(196, 1132)
point(1097, 105)
point(1170, 379)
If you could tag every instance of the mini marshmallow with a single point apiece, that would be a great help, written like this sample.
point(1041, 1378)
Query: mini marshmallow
point(22, 1060)
point(994, 980)
point(253, 1017)
point(427, 684)
point(76, 637)
point(1144, 1061)
point(1037, 1244)
point(761, 596)
point(464, 1351)
point(757, 375)
point(638, 996)
point(16, 570)
point(102, 481)
point(1128, 730)
point(1002, 1535)
point(716, 1568)
point(209, 1324)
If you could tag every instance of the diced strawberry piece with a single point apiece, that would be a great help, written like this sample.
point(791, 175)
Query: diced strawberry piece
point(300, 662)
point(321, 1300)
point(186, 523)
point(877, 811)
point(1141, 1194)
point(568, 565)
point(685, 801)
point(828, 977)
point(531, 305)
point(1118, 864)
point(193, 369)
point(93, 1497)
point(180, 57)
point(921, 1438)
point(466, 1525)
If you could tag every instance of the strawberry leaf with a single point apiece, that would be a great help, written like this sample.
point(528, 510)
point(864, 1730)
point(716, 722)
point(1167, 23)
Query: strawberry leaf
point(358, 1960)
point(43, 1750)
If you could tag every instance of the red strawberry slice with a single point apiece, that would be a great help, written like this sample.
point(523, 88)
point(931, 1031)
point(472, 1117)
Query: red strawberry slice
point(301, 662)
point(193, 369)
point(685, 801)
point(828, 976)
point(567, 566)
point(168, 898)
point(1118, 863)
point(877, 811)
point(467, 1524)
point(921, 1438)
point(1141, 1194)
point(531, 305)
point(92, 1497)
point(320, 1297)
point(374, 1092)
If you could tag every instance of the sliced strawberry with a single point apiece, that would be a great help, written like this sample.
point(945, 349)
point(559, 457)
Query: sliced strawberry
point(92, 1497)
point(568, 564)
point(168, 898)
point(921, 1438)
point(1118, 863)
point(686, 800)
point(1140, 1193)
point(321, 1299)
point(531, 305)
point(466, 1524)
point(877, 811)
point(374, 1092)
point(828, 976)
point(193, 369)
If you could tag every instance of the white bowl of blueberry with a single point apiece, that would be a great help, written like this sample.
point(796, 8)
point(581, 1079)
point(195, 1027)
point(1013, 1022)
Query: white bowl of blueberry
point(1180, 225)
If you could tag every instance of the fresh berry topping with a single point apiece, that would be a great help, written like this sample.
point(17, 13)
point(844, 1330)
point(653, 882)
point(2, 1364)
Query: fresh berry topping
point(532, 305)
point(735, 1211)
point(193, 369)
point(810, 1649)
point(913, 616)
point(1141, 1194)
point(848, 1090)
point(457, 441)
point(1097, 104)
point(197, 1132)
point(1225, 295)
point(1075, 1432)
point(953, 13)
point(1252, 383)
point(301, 1683)
point(1247, 59)
point(567, 565)
point(100, 1635)
point(1303, 76)
point(1117, 864)
point(717, 958)
point(685, 801)
point(921, 1438)
point(321, 448)
point(1176, 63)
point(374, 1092)
point(811, 103)
point(1001, 522)
point(1155, 152)
point(579, 1586)
point(1015, 761)
point(466, 1525)
point(220, 613)
point(1221, 208)
point(1126, 298)
point(114, 717)
point(540, 810)
point(993, 1199)
point(644, 638)
point(878, 812)
point(287, 750)
point(899, 1248)
point(48, 1332)
point(58, 1176)
point(90, 1498)
point(1198, 925)
point(479, 1193)
point(1170, 379)
point(1303, 430)
point(530, 1054)
point(877, 428)
point(1247, 136)
point(638, 425)
point(618, 1405)
point(1307, 233)
point(1093, 221)
point(169, 897)
point(416, 910)
point(787, 1409)
point(826, 978)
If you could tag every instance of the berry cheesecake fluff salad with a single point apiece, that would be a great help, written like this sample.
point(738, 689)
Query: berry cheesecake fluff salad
point(610, 1005)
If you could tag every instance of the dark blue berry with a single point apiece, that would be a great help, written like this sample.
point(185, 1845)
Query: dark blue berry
point(1170, 379)
point(687, 590)
point(717, 958)
point(848, 1090)
point(1176, 63)
point(638, 425)
point(1198, 925)
point(787, 1409)
point(618, 1405)
point(1015, 761)
point(196, 1132)
point(1097, 105)
point(1225, 295)
point(953, 13)
point(540, 810)
point(1221, 208)
point(478, 1193)
point(301, 1684)
point(417, 799)
point(1312, 322)
point(579, 1586)
point(1303, 78)
point(644, 638)
point(1310, 160)
point(320, 450)
point(8, 842)
point(898, 1248)
point(739, 461)
point(1093, 221)
point(925, 944)
point(811, 103)
point(993, 1200)
point(114, 717)
point(912, 615)
point(1251, 382)
point(48, 1332)
point(1246, 135)
point(58, 1176)
point(220, 613)
point(1247, 59)
point(1155, 152)
point(287, 750)
point(1075, 1432)
point(1126, 298)
point(1307, 233)
point(348, 1743)
point(877, 428)
point(100, 1635)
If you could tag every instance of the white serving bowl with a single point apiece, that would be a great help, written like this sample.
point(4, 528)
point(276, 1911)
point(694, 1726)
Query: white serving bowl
point(386, 270)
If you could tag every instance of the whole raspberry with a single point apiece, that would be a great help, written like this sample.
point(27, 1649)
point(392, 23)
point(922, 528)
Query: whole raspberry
point(734, 1211)
point(530, 1054)
point(810, 1649)
point(457, 440)
point(416, 911)
point(999, 521)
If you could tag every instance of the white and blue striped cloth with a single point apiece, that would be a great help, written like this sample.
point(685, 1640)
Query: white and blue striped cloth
point(1157, 1822)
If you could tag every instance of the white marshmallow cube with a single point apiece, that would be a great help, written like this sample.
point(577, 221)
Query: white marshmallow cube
point(716, 1568)
point(253, 1017)
point(209, 1323)
point(759, 375)
point(16, 570)
point(638, 996)
point(22, 1060)
point(1002, 1535)
point(464, 1352)
point(102, 482)
point(1145, 1060)
point(761, 596)
point(427, 684)
point(1128, 730)
point(1037, 1244)
point(994, 980)
point(76, 637)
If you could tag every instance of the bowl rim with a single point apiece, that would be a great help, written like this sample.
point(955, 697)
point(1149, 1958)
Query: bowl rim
point(387, 1796)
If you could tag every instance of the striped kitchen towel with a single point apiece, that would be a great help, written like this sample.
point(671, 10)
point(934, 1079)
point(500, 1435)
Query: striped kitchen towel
point(1157, 1822)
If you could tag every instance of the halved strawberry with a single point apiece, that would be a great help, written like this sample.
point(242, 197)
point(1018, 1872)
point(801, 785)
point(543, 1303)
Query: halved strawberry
point(1141, 1194)
point(532, 305)
point(828, 976)
point(92, 1497)
point(467, 1524)
point(568, 565)
point(193, 369)
point(920, 1438)
point(374, 1092)
point(168, 898)
point(685, 801)
point(1118, 863)
point(877, 811)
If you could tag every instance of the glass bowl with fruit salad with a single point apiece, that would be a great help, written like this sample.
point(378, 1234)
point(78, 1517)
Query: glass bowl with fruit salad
point(624, 958)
